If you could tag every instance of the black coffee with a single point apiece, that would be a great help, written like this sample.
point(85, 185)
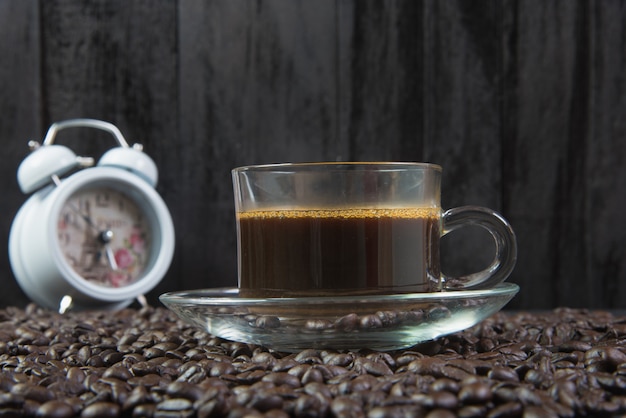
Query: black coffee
point(325, 252)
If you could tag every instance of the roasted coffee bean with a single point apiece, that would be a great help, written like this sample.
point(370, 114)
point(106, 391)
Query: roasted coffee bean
point(10, 401)
point(166, 346)
point(505, 394)
point(453, 372)
point(147, 380)
point(472, 411)
point(538, 378)
point(138, 395)
point(528, 396)
point(284, 364)
point(101, 410)
point(221, 369)
point(383, 358)
point(152, 352)
point(445, 384)
point(84, 354)
point(339, 359)
point(365, 365)
point(310, 406)
point(76, 375)
point(539, 412)
point(143, 368)
point(32, 392)
point(335, 371)
point(439, 413)
point(127, 339)
point(606, 359)
point(309, 356)
point(267, 321)
point(565, 392)
point(388, 318)
point(399, 411)
point(475, 392)
point(146, 410)
point(276, 413)
point(444, 400)
point(438, 312)
point(175, 404)
point(265, 401)
point(318, 389)
point(503, 373)
point(118, 372)
point(313, 374)
point(347, 323)
point(282, 378)
point(185, 390)
point(574, 345)
point(55, 409)
point(318, 324)
point(299, 370)
point(347, 407)
point(266, 359)
point(415, 316)
point(506, 410)
point(361, 383)
point(370, 322)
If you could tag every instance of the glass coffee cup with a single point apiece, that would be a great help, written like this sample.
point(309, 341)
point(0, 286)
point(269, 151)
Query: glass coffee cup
point(330, 229)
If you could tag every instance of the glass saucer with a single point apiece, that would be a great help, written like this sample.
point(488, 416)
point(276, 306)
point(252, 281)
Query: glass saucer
point(381, 322)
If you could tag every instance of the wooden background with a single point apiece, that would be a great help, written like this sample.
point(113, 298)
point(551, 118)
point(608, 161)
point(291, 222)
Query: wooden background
point(522, 102)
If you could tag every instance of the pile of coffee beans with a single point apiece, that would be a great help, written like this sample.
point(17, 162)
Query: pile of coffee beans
point(148, 363)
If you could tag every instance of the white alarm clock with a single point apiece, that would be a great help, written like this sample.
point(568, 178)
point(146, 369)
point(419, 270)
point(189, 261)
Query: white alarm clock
point(95, 239)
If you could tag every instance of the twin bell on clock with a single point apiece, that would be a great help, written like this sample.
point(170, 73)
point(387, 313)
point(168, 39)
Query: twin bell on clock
point(91, 236)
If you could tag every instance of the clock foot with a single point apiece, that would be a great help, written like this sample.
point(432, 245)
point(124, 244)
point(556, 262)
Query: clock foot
point(65, 304)
point(142, 301)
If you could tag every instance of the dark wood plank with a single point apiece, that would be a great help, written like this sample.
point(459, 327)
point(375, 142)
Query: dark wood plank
point(604, 239)
point(20, 94)
point(380, 72)
point(545, 159)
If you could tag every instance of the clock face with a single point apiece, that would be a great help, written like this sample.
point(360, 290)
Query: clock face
point(104, 236)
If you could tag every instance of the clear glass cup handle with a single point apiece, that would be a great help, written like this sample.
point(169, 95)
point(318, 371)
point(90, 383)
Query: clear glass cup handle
point(505, 243)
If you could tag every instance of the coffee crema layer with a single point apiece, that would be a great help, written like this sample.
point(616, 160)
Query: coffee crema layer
point(345, 213)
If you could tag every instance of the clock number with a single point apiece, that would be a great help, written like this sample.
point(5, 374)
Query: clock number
point(102, 200)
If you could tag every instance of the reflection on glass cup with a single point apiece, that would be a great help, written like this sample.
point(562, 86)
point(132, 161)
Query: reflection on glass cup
point(323, 229)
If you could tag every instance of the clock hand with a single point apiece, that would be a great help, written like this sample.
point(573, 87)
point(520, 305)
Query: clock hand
point(111, 257)
point(105, 238)
point(86, 218)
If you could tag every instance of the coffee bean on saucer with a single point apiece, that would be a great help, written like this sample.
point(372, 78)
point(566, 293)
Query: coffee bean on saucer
point(267, 322)
point(317, 324)
point(388, 318)
point(370, 322)
point(413, 316)
point(348, 322)
point(250, 318)
point(438, 312)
